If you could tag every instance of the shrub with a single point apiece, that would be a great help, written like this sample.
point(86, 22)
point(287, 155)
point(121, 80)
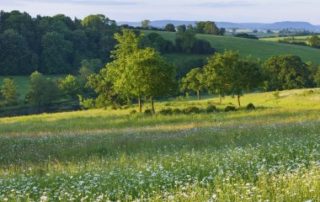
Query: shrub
point(230, 109)
point(133, 112)
point(191, 110)
point(167, 111)
point(177, 111)
point(86, 103)
point(307, 92)
point(276, 94)
point(180, 98)
point(211, 108)
point(148, 112)
point(250, 107)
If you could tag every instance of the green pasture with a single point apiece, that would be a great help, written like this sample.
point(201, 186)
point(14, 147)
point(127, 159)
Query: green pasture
point(261, 49)
point(270, 154)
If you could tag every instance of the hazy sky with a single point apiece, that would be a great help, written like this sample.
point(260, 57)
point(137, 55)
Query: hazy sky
point(136, 10)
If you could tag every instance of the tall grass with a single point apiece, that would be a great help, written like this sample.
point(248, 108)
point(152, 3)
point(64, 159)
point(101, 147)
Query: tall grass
point(271, 154)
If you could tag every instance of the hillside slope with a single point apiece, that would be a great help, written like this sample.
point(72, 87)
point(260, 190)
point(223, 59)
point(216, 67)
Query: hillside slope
point(255, 48)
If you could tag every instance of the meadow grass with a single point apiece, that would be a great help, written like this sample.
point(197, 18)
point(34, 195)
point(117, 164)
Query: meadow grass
point(270, 154)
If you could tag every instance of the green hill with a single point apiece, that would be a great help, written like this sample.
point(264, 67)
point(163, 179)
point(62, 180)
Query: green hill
point(249, 47)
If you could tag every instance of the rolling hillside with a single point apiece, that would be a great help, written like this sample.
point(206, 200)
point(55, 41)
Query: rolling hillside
point(255, 48)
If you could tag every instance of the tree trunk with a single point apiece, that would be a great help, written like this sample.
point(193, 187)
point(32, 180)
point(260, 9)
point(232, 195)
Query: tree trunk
point(239, 101)
point(152, 105)
point(140, 104)
point(198, 95)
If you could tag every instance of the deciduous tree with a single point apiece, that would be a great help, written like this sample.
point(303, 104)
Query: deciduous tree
point(70, 86)
point(43, 91)
point(286, 72)
point(227, 73)
point(170, 28)
point(9, 92)
point(194, 81)
point(314, 41)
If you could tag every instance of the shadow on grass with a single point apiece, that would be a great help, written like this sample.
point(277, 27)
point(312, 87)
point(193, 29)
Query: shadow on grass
point(149, 140)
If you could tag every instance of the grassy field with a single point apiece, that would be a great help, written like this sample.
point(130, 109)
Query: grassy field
point(270, 154)
point(297, 38)
point(256, 48)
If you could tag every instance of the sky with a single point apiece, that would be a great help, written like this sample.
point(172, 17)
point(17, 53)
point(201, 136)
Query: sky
point(137, 10)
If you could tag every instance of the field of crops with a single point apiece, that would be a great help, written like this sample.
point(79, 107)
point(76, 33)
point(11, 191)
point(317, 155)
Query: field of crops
point(270, 154)
point(256, 48)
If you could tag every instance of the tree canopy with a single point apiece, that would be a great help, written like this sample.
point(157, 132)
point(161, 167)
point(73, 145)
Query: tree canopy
point(135, 72)
point(286, 72)
point(52, 45)
point(43, 91)
point(228, 73)
point(194, 81)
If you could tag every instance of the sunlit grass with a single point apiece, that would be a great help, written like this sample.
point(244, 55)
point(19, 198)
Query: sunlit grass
point(272, 153)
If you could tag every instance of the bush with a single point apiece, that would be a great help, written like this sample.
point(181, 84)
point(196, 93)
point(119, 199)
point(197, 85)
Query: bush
point(148, 112)
point(307, 92)
point(191, 110)
point(276, 94)
point(167, 111)
point(114, 107)
point(86, 103)
point(250, 107)
point(211, 108)
point(230, 109)
point(177, 111)
point(126, 107)
point(133, 112)
point(168, 104)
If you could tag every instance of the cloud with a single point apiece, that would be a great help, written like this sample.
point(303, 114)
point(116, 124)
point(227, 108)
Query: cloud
point(136, 10)
point(225, 4)
point(79, 2)
point(105, 2)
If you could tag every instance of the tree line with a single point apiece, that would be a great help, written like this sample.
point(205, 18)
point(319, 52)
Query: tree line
point(185, 42)
point(52, 45)
point(140, 74)
point(58, 44)
point(312, 41)
point(200, 27)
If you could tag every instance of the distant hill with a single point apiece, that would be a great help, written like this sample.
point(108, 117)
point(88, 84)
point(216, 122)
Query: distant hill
point(230, 25)
point(255, 48)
